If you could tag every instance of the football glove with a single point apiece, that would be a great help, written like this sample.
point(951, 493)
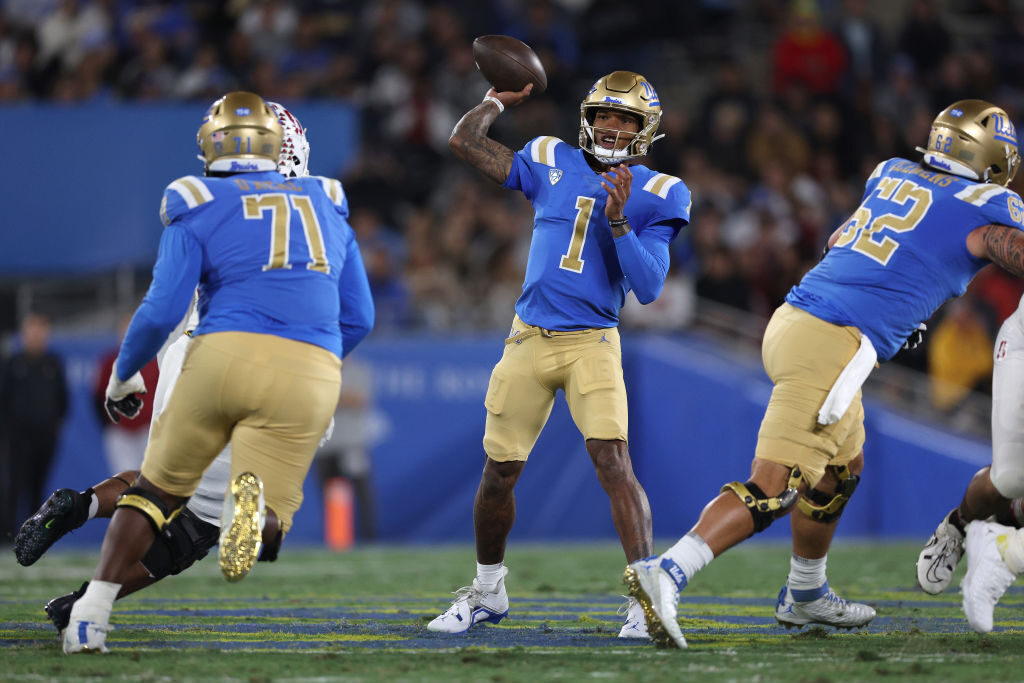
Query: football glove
point(123, 397)
point(916, 338)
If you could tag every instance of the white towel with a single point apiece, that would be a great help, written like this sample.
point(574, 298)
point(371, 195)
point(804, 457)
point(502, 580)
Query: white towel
point(848, 383)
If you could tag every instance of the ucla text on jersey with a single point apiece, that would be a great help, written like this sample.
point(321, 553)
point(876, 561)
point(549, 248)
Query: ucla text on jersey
point(573, 276)
point(903, 252)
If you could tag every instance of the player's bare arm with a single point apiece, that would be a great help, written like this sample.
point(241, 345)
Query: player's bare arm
point(617, 182)
point(1000, 244)
point(469, 140)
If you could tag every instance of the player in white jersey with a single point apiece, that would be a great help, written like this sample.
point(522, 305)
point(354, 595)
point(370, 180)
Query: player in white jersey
point(192, 534)
point(987, 522)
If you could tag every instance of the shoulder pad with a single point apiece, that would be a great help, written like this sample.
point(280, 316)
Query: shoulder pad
point(660, 184)
point(181, 196)
point(542, 149)
point(980, 194)
point(333, 189)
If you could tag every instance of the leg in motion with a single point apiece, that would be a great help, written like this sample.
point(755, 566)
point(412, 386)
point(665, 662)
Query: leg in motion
point(494, 512)
point(807, 598)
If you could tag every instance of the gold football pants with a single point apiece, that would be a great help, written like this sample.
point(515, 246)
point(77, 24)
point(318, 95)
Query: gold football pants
point(803, 355)
point(585, 364)
point(271, 397)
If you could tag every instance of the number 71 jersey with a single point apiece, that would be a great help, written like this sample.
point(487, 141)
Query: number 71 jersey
point(903, 253)
point(573, 277)
point(273, 252)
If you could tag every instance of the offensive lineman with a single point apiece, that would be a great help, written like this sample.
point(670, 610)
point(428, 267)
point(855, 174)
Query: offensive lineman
point(920, 234)
point(262, 370)
point(191, 534)
point(603, 226)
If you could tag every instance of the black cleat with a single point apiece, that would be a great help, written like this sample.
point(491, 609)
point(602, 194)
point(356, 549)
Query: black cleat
point(62, 512)
point(59, 609)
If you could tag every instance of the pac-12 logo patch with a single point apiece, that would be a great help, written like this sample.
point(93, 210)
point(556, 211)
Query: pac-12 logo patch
point(554, 175)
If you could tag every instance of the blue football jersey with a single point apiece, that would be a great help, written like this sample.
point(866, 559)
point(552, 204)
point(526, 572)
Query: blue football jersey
point(573, 276)
point(273, 251)
point(903, 253)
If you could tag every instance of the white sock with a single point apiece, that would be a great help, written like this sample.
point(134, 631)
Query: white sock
point(806, 577)
point(488, 575)
point(691, 553)
point(97, 601)
point(1011, 547)
point(94, 506)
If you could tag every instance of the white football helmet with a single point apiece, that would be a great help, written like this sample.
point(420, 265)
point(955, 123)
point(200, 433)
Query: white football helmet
point(294, 159)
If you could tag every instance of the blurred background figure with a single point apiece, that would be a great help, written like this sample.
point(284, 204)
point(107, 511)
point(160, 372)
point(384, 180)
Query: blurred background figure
point(33, 403)
point(124, 442)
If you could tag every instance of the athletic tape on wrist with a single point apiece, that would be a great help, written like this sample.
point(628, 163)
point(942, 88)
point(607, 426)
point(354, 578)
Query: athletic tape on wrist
point(501, 107)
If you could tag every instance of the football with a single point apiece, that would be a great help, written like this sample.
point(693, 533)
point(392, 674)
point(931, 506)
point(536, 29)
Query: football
point(509, 64)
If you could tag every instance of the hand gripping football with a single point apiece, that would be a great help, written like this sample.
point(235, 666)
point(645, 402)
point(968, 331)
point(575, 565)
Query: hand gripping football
point(509, 64)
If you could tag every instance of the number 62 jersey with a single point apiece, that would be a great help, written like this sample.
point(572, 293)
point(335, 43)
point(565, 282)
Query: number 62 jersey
point(903, 253)
point(577, 275)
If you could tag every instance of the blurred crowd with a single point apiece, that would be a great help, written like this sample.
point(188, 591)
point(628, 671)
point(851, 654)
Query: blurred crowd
point(775, 112)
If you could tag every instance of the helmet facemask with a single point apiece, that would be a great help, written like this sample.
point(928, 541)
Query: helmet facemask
point(629, 93)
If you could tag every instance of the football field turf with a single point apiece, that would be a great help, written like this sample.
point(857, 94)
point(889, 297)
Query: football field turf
point(362, 615)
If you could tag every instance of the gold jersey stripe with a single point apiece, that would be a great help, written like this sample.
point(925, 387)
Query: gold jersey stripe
point(660, 184)
point(333, 190)
point(877, 172)
point(543, 150)
point(192, 190)
point(979, 194)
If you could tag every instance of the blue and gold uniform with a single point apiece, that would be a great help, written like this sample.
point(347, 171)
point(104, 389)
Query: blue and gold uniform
point(283, 294)
point(899, 257)
point(565, 335)
point(903, 253)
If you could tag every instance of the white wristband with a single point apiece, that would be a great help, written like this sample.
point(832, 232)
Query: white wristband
point(501, 107)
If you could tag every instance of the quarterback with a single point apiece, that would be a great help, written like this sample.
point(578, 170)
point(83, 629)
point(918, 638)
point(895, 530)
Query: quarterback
point(922, 231)
point(603, 223)
point(262, 369)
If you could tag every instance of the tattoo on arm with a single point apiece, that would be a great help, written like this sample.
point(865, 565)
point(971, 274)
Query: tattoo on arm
point(470, 143)
point(1005, 246)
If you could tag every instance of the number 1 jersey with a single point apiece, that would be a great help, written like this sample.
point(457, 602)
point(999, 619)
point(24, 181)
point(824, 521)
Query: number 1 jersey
point(573, 277)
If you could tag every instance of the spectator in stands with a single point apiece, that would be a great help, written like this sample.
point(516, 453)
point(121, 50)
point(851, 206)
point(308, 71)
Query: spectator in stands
point(959, 355)
point(33, 404)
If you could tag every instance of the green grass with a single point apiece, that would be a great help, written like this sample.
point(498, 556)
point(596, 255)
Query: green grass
point(361, 615)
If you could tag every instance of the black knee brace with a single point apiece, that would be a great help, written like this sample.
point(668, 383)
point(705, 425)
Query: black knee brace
point(824, 507)
point(185, 541)
point(150, 506)
point(765, 509)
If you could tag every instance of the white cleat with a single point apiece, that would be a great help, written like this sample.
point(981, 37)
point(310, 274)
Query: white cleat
point(655, 582)
point(987, 576)
point(86, 632)
point(473, 605)
point(241, 535)
point(939, 558)
point(828, 609)
point(636, 622)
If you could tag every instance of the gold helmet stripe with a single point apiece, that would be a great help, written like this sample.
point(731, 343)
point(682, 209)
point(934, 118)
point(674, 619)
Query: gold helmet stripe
point(542, 150)
point(660, 184)
point(333, 190)
point(979, 194)
point(192, 190)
